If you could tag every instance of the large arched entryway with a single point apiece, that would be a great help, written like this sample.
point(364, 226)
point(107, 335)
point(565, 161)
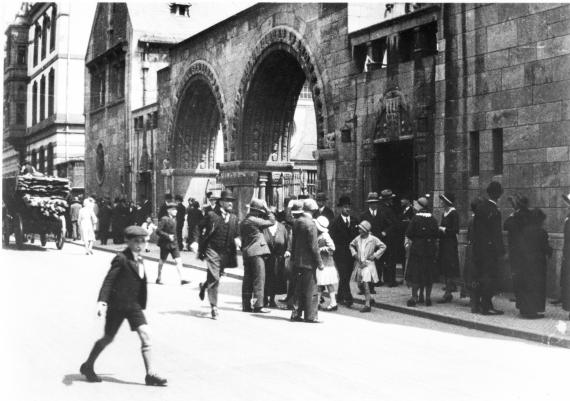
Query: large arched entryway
point(278, 124)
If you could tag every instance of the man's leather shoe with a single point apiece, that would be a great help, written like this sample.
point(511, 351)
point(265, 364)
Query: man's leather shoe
point(158, 281)
point(184, 282)
point(312, 321)
point(348, 304)
point(296, 318)
point(246, 309)
point(366, 309)
point(154, 380)
point(261, 310)
point(428, 302)
point(215, 313)
point(492, 312)
point(89, 374)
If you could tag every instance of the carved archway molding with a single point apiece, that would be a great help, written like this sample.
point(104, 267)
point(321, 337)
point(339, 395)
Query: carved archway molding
point(279, 38)
point(198, 70)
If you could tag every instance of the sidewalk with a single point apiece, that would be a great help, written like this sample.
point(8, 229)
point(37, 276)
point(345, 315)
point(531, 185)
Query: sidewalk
point(554, 329)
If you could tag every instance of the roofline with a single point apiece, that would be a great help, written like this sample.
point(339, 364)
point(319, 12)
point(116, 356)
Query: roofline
point(216, 25)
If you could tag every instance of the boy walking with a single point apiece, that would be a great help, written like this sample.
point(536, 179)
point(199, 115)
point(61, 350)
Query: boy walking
point(124, 295)
point(168, 242)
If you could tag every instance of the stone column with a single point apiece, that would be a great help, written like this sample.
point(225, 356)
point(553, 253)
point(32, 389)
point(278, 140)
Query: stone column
point(262, 186)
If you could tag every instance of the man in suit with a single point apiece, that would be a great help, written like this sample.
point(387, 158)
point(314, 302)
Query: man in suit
point(193, 217)
point(124, 295)
point(74, 215)
point(180, 217)
point(324, 210)
point(211, 202)
point(306, 260)
point(343, 230)
point(105, 214)
point(255, 252)
point(163, 208)
point(372, 215)
point(488, 249)
point(144, 211)
point(389, 232)
point(218, 235)
point(168, 242)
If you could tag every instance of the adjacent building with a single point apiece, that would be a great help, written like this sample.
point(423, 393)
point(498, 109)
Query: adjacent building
point(44, 92)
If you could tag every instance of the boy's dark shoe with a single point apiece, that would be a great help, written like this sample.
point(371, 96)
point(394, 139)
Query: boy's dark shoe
point(154, 380)
point(89, 374)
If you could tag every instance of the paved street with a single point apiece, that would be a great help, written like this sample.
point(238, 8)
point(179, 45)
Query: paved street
point(50, 324)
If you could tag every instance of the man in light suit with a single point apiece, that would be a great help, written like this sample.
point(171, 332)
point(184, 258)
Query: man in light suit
point(255, 251)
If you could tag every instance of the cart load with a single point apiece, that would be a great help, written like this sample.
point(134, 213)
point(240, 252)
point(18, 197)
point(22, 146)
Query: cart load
point(46, 193)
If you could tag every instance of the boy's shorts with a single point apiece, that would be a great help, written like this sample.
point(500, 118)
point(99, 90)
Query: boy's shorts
point(115, 318)
point(170, 249)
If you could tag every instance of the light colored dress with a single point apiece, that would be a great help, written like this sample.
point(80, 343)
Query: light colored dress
point(87, 221)
point(363, 249)
point(329, 275)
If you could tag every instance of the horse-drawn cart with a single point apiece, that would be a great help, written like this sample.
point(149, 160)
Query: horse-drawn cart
point(34, 205)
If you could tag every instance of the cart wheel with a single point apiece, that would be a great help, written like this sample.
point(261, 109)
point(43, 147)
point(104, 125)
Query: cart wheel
point(43, 239)
point(19, 231)
point(59, 239)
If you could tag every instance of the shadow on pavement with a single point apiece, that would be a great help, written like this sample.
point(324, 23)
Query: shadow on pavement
point(69, 379)
point(25, 247)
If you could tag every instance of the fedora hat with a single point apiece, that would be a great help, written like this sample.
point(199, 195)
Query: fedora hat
point(372, 197)
point(227, 195)
point(343, 201)
point(423, 201)
point(447, 198)
point(258, 204)
point(566, 199)
point(322, 224)
point(387, 194)
point(296, 207)
point(365, 225)
point(321, 196)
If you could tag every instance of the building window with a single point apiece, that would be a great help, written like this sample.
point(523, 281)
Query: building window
point(180, 8)
point(50, 159)
point(20, 113)
point(51, 92)
point(100, 164)
point(34, 159)
point(498, 151)
point(45, 35)
point(21, 56)
point(35, 103)
point(37, 35)
point(42, 160)
point(155, 119)
point(53, 25)
point(97, 87)
point(117, 80)
point(474, 153)
point(42, 98)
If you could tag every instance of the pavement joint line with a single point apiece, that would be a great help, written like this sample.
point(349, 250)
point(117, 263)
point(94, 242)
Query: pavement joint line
point(546, 339)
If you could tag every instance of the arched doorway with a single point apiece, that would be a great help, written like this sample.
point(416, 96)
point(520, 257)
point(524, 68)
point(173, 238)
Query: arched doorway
point(195, 149)
point(278, 124)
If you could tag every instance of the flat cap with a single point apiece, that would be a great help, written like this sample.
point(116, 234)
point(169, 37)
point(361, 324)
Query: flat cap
point(135, 231)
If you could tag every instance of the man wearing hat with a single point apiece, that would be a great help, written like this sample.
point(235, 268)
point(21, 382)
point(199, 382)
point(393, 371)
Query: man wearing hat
point(306, 259)
point(488, 249)
point(405, 216)
point(323, 210)
point(163, 208)
point(124, 296)
point(218, 235)
point(74, 215)
point(389, 226)
point(255, 251)
point(210, 202)
point(168, 242)
point(180, 217)
point(448, 258)
point(343, 230)
point(295, 210)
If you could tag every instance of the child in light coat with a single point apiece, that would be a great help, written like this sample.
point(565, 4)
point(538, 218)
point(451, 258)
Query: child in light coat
point(150, 227)
point(365, 249)
point(327, 277)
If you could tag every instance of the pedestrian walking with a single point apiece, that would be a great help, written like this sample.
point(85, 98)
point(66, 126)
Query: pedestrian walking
point(565, 266)
point(389, 235)
point(536, 250)
point(255, 251)
point(86, 222)
point(279, 243)
point(193, 217)
point(218, 235)
point(150, 228)
point(123, 295)
point(180, 218)
point(163, 210)
point(168, 242)
point(343, 230)
point(74, 216)
point(448, 256)
point(324, 210)
point(372, 215)
point(366, 249)
point(514, 226)
point(488, 249)
point(327, 277)
point(422, 233)
point(306, 260)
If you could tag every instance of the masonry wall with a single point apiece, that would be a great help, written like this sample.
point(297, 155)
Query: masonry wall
point(508, 67)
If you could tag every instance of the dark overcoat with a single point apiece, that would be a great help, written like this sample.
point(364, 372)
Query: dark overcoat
point(222, 241)
point(423, 231)
point(488, 244)
point(448, 258)
point(342, 235)
point(276, 266)
point(565, 268)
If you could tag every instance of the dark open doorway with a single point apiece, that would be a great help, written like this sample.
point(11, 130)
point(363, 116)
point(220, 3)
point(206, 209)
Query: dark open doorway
point(394, 167)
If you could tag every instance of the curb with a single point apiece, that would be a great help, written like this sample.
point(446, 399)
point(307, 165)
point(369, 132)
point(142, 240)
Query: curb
point(489, 328)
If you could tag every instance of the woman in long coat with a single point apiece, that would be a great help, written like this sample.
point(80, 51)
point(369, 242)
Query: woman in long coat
point(423, 232)
point(565, 268)
point(448, 257)
point(87, 222)
point(279, 242)
point(531, 297)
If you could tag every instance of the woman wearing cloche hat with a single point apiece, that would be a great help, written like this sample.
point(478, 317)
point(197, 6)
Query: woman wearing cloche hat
point(327, 278)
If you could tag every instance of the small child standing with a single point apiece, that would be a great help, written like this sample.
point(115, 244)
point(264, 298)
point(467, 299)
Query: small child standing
point(327, 277)
point(149, 227)
point(365, 249)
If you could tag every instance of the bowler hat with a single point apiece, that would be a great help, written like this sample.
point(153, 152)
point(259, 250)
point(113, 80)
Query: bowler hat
point(387, 194)
point(321, 196)
point(344, 201)
point(365, 225)
point(447, 198)
point(227, 195)
point(322, 224)
point(135, 231)
point(372, 197)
